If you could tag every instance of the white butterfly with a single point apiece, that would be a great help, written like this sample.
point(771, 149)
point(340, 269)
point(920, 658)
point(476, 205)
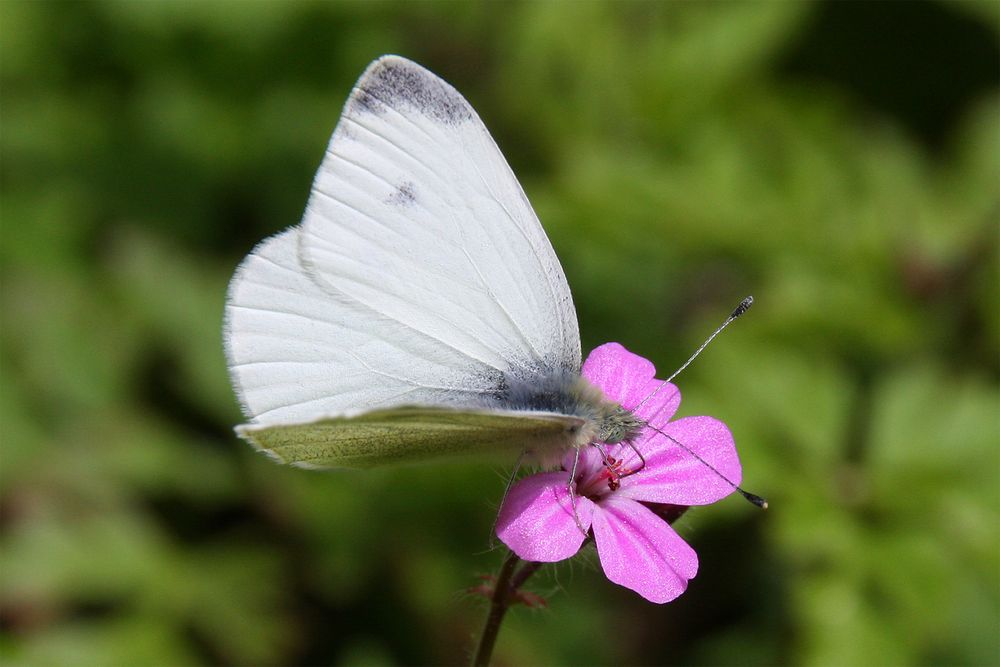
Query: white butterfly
point(418, 309)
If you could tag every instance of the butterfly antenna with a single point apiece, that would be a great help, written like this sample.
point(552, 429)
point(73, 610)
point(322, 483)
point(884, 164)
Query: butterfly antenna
point(751, 497)
point(740, 309)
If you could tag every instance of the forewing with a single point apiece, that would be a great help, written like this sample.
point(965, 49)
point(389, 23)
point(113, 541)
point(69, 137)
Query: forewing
point(416, 218)
point(412, 434)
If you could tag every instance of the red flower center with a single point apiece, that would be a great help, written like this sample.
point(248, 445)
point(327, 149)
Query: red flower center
point(605, 480)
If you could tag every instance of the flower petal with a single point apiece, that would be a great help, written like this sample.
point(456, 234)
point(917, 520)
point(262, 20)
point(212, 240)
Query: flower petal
point(639, 550)
point(628, 379)
point(673, 475)
point(589, 462)
point(537, 522)
point(657, 402)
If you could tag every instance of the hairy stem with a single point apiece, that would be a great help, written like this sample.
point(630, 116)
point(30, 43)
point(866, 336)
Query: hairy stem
point(522, 575)
point(506, 586)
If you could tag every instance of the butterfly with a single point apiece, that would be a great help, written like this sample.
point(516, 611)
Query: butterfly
point(418, 310)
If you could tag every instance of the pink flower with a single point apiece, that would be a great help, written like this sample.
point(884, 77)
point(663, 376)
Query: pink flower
point(637, 548)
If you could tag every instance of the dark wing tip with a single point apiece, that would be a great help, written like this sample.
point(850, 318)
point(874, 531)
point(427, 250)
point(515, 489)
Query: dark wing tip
point(395, 82)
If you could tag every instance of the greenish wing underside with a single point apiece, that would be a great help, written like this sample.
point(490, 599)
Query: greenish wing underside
point(412, 434)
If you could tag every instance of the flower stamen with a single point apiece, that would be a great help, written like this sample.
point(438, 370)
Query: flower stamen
point(613, 473)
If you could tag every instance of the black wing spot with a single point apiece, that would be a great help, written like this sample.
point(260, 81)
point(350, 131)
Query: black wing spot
point(404, 84)
point(404, 195)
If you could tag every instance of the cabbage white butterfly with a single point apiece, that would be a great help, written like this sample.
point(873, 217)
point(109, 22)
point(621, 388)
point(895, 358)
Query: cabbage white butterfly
point(418, 309)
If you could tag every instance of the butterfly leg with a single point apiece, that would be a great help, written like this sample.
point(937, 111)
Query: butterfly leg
point(642, 459)
point(613, 466)
point(605, 457)
point(571, 490)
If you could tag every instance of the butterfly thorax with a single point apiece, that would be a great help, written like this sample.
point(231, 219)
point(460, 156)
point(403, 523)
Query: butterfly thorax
point(604, 420)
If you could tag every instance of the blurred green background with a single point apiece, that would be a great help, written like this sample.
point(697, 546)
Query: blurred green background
point(839, 161)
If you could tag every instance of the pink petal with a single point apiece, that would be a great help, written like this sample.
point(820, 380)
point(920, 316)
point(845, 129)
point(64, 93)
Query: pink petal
point(639, 550)
point(536, 520)
point(673, 475)
point(657, 402)
point(628, 379)
point(589, 462)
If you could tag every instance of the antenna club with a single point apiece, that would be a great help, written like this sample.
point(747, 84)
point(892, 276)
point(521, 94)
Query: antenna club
point(753, 498)
point(742, 308)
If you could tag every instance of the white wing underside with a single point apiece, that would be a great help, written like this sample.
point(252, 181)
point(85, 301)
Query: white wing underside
point(419, 275)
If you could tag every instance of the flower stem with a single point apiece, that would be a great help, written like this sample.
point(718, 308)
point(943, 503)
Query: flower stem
point(506, 586)
point(522, 575)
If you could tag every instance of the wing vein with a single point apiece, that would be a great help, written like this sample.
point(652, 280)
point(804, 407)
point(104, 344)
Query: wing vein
point(538, 259)
point(316, 277)
point(534, 250)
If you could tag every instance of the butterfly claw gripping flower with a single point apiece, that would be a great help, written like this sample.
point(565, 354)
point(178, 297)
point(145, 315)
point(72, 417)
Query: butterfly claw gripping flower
point(690, 461)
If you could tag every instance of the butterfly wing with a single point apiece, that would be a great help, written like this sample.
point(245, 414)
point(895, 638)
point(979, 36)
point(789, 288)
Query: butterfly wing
point(297, 352)
point(416, 216)
point(419, 275)
point(410, 434)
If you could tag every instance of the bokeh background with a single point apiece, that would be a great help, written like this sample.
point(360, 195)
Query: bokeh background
point(839, 161)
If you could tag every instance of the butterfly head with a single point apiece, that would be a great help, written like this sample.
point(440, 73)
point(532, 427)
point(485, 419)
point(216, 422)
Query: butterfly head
point(618, 425)
point(610, 423)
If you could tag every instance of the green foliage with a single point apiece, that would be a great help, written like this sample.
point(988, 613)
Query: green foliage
point(681, 155)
